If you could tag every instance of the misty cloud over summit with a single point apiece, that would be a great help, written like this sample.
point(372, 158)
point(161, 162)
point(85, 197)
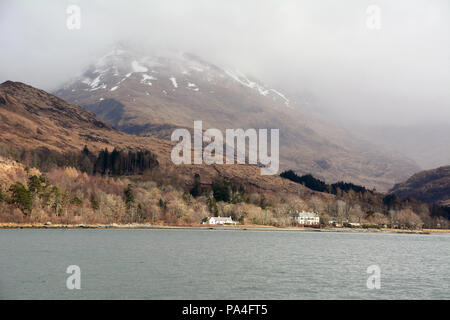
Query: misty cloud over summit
point(398, 74)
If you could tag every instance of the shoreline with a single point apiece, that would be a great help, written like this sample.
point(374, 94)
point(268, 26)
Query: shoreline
point(115, 226)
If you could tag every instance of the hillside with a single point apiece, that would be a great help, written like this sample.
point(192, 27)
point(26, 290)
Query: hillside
point(68, 196)
point(432, 186)
point(151, 94)
point(32, 118)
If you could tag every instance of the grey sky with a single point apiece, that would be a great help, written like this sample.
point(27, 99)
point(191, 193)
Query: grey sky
point(398, 74)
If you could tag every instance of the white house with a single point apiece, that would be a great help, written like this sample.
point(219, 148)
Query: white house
point(221, 220)
point(306, 218)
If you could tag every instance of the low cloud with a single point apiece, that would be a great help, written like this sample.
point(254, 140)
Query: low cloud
point(397, 74)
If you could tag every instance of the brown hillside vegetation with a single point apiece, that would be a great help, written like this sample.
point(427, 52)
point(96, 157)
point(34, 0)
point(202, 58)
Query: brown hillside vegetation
point(32, 118)
point(68, 196)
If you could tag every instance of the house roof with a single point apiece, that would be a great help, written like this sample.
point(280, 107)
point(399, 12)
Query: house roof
point(223, 219)
point(304, 214)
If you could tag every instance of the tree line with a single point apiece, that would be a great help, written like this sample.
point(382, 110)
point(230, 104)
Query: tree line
point(38, 189)
point(119, 162)
point(115, 163)
point(318, 185)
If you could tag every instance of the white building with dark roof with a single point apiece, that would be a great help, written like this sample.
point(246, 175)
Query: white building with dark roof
point(221, 220)
point(306, 218)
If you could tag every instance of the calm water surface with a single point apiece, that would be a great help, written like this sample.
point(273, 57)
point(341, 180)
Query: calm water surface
point(212, 264)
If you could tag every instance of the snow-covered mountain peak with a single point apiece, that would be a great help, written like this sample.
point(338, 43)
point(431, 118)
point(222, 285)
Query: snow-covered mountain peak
point(165, 73)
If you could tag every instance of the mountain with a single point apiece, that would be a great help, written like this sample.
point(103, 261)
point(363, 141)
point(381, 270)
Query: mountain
point(151, 95)
point(432, 186)
point(31, 118)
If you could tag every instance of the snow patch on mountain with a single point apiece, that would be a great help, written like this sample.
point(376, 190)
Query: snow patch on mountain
point(102, 86)
point(286, 100)
point(146, 79)
point(245, 81)
point(174, 82)
point(192, 86)
point(95, 82)
point(242, 79)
